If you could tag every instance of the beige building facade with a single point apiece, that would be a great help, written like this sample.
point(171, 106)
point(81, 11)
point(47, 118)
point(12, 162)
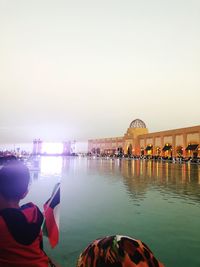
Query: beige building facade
point(138, 141)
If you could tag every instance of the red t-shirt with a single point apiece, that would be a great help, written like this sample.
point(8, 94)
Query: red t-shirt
point(21, 237)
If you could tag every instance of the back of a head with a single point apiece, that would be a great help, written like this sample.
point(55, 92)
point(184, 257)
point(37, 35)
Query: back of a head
point(117, 251)
point(14, 180)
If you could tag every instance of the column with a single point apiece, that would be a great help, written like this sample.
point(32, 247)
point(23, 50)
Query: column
point(184, 144)
point(173, 145)
point(154, 147)
point(162, 144)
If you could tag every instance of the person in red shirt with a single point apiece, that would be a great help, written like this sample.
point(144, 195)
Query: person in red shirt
point(20, 227)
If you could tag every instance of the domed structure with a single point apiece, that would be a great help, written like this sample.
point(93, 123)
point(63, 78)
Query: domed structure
point(137, 123)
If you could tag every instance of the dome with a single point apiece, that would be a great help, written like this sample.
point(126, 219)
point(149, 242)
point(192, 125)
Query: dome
point(137, 123)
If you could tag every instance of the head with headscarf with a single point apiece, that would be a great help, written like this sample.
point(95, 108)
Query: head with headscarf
point(117, 251)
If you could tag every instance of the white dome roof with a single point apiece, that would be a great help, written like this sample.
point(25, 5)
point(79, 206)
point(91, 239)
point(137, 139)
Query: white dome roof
point(137, 123)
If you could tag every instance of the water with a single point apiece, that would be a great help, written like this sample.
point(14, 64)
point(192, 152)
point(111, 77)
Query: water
point(158, 203)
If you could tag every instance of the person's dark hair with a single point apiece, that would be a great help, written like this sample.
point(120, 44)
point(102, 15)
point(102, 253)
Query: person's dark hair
point(14, 180)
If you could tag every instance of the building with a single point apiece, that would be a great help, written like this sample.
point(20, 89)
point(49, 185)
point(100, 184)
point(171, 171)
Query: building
point(45, 148)
point(138, 141)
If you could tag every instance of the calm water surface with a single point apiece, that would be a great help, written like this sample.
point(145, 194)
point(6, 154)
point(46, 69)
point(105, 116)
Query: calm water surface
point(156, 202)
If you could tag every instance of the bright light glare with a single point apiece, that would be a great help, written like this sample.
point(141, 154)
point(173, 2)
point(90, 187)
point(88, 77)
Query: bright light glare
point(52, 148)
point(51, 165)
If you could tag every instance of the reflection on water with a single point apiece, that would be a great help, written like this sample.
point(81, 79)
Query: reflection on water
point(46, 166)
point(183, 180)
point(45, 172)
point(51, 165)
point(139, 176)
point(157, 202)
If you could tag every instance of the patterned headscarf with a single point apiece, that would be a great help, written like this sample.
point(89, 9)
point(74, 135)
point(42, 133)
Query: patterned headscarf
point(117, 251)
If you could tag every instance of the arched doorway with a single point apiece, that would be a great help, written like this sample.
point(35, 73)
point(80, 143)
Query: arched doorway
point(192, 150)
point(93, 150)
point(149, 150)
point(119, 151)
point(179, 151)
point(129, 152)
point(98, 151)
point(167, 150)
point(158, 151)
point(142, 151)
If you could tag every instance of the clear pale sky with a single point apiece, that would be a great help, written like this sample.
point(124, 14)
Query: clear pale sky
point(85, 69)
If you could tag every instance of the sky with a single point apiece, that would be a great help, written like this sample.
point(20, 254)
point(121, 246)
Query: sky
point(77, 70)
